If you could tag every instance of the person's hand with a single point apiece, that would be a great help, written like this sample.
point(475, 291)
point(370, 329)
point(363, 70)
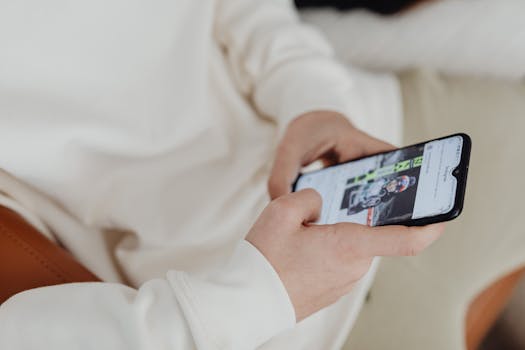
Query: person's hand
point(320, 135)
point(318, 264)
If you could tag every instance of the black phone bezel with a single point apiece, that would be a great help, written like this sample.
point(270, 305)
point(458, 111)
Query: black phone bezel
point(461, 178)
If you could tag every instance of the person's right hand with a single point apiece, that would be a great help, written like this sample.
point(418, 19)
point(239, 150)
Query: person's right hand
point(318, 264)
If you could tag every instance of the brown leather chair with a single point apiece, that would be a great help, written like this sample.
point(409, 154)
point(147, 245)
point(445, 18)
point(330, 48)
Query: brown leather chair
point(487, 306)
point(29, 260)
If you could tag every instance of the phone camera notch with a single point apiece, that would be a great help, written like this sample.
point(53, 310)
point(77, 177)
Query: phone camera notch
point(455, 172)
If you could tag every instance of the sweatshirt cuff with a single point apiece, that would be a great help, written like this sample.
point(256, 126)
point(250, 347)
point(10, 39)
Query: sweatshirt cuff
point(239, 306)
point(302, 86)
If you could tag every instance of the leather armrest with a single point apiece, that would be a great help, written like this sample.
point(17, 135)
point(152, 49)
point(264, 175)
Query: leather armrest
point(30, 260)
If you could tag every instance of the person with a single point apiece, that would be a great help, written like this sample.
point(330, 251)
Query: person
point(141, 136)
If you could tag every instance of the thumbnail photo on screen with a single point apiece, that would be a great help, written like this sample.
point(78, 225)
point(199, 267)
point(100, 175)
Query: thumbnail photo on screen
point(387, 193)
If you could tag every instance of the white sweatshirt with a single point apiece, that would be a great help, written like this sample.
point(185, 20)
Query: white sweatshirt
point(153, 123)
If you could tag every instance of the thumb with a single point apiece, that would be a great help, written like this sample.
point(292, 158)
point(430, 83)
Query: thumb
point(360, 144)
point(299, 207)
point(394, 240)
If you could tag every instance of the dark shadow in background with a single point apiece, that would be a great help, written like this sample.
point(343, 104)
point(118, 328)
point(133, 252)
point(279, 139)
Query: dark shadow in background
point(384, 7)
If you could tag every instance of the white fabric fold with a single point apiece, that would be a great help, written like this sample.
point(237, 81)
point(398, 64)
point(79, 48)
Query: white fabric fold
point(239, 306)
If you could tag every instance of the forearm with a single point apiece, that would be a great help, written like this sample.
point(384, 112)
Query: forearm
point(238, 306)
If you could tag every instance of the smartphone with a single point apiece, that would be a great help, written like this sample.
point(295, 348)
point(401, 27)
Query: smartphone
point(413, 186)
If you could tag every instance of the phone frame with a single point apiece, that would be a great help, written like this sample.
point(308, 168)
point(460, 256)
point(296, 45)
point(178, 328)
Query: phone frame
point(461, 178)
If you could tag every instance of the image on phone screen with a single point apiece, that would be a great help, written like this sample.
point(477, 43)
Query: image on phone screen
point(389, 188)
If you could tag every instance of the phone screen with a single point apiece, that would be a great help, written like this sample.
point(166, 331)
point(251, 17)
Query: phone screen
point(388, 188)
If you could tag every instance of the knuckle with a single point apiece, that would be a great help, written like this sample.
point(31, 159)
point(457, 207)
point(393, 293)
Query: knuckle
point(410, 251)
point(283, 207)
point(350, 240)
point(277, 205)
point(415, 245)
point(273, 184)
point(285, 147)
point(344, 247)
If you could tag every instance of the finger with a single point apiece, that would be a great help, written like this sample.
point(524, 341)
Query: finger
point(299, 207)
point(394, 240)
point(360, 144)
point(291, 155)
point(401, 240)
point(285, 169)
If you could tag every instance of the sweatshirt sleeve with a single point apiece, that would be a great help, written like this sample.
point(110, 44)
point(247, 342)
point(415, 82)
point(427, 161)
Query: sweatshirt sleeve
point(239, 306)
point(283, 66)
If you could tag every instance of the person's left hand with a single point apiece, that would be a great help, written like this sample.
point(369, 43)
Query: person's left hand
point(319, 135)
